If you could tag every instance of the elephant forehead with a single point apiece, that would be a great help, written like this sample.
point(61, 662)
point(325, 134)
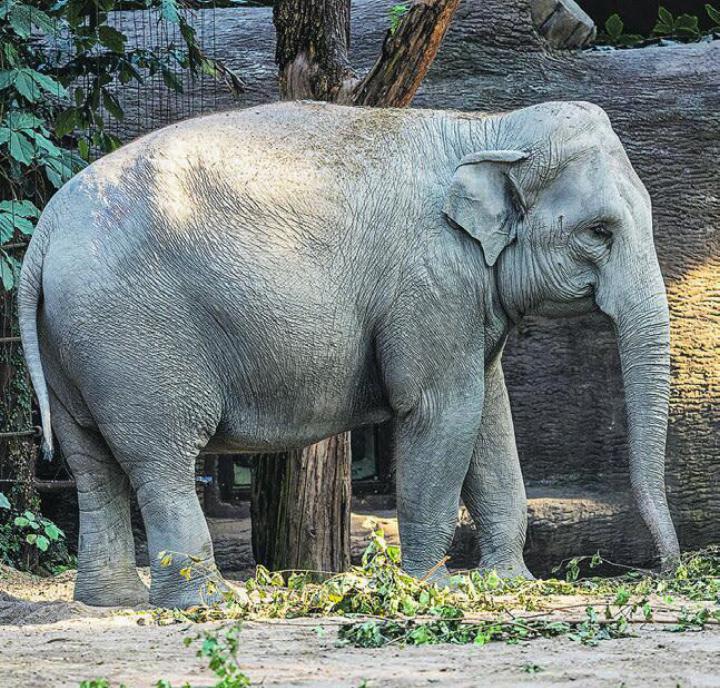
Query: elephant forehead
point(590, 184)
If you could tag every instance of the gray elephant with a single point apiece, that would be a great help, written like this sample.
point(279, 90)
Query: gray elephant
point(261, 279)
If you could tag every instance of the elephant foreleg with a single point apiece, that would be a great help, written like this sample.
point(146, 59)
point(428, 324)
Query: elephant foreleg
point(433, 449)
point(493, 490)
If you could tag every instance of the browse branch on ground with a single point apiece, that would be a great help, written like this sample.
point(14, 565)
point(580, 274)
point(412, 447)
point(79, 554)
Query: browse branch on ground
point(474, 607)
point(378, 604)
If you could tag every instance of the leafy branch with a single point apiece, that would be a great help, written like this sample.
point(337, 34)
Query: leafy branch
point(684, 27)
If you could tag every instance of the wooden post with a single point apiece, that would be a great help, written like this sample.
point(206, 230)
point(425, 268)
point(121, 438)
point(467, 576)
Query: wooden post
point(301, 500)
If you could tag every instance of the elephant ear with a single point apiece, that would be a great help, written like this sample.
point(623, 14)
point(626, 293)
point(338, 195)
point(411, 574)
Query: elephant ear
point(485, 200)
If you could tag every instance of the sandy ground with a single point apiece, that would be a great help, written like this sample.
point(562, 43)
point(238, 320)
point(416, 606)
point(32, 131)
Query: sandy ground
point(48, 641)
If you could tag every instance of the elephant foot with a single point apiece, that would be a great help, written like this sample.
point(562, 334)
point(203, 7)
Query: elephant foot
point(111, 589)
point(181, 589)
point(506, 569)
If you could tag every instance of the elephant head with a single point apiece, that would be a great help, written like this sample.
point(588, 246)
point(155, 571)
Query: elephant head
point(566, 224)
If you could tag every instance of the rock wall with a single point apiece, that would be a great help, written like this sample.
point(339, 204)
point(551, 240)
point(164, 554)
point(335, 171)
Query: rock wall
point(563, 376)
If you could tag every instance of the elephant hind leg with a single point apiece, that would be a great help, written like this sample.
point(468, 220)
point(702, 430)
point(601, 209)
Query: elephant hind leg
point(160, 458)
point(107, 575)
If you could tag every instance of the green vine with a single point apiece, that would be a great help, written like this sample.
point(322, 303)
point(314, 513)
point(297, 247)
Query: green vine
point(684, 27)
point(61, 66)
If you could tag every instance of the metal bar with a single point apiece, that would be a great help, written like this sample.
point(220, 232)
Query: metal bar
point(43, 485)
point(22, 433)
point(53, 485)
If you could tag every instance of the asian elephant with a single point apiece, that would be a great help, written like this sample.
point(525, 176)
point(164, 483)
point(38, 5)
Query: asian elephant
point(262, 279)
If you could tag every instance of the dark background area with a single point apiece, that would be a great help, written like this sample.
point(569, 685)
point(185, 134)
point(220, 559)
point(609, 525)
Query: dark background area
point(640, 17)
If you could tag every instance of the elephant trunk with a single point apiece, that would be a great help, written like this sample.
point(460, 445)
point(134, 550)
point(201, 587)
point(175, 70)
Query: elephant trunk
point(643, 330)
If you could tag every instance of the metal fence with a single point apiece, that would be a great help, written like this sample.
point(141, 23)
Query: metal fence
point(146, 106)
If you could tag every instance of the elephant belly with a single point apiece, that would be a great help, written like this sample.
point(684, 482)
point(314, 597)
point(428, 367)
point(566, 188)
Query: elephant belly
point(301, 395)
point(269, 437)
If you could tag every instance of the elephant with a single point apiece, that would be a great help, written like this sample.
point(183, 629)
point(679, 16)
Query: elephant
point(260, 279)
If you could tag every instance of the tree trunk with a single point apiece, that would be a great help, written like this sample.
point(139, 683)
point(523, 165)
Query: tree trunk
point(303, 522)
point(301, 499)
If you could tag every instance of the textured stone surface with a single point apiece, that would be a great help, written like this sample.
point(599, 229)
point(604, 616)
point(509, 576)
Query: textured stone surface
point(563, 376)
point(562, 23)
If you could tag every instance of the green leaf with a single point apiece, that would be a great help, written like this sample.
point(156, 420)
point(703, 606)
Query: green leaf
point(112, 39)
point(66, 121)
point(84, 149)
point(8, 273)
point(7, 228)
point(4, 501)
point(7, 78)
point(397, 12)
point(22, 208)
point(10, 223)
point(112, 105)
point(59, 170)
point(665, 15)
point(47, 145)
point(52, 531)
point(42, 543)
point(171, 80)
point(26, 86)
point(169, 11)
point(23, 17)
point(687, 25)
point(665, 22)
point(11, 54)
point(20, 119)
point(49, 85)
point(24, 226)
point(31, 538)
point(714, 14)
point(21, 148)
point(20, 521)
point(614, 27)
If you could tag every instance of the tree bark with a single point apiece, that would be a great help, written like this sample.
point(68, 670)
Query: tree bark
point(303, 521)
point(301, 500)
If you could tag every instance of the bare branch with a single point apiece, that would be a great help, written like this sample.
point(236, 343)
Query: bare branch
point(406, 56)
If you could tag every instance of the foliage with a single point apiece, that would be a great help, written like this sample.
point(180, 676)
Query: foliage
point(615, 33)
point(384, 605)
point(221, 650)
point(61, 66)
point(684, 27)
point(20, 531)
point(397, 12)
point(378, 632)
point(475, 607)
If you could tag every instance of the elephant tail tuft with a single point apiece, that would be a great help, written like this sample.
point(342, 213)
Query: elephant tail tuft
point(29, 294)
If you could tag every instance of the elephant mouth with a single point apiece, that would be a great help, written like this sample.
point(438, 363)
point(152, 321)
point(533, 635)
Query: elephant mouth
point(564, 309)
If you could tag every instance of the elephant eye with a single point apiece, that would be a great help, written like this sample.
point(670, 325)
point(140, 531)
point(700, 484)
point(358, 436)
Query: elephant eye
point(602, 231)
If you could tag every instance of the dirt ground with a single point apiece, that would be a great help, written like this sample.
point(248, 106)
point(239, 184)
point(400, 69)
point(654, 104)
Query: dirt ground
point(48, 641)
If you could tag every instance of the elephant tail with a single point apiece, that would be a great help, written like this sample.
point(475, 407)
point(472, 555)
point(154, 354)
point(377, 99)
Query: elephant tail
point(29, 294)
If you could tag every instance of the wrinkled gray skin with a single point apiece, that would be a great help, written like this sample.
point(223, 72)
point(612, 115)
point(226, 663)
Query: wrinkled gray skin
point(262, 279)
